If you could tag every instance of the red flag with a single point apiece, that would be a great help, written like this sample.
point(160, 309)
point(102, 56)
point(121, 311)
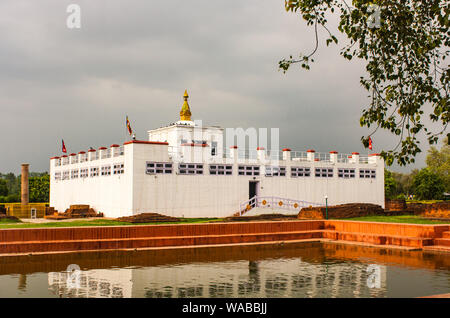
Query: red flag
point(130, 131)
point(370, 143)
point(64, 147)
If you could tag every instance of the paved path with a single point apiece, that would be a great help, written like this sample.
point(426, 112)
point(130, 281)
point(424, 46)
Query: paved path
point(261, 211)
point(42, 220)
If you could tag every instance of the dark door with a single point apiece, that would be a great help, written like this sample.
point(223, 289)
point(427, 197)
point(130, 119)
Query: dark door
point(252, 189)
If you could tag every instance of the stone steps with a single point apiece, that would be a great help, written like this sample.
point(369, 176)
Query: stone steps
point(378, 239)
point(442, 241)
point(147, 242)
point(437, 248)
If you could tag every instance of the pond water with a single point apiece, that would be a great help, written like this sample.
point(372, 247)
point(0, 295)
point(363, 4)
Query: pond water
point(290, 270)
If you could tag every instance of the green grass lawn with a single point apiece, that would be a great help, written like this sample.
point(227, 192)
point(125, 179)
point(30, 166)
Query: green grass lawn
point(8, 224)
point(9, 221)
point(414, 219)
point(97, 222)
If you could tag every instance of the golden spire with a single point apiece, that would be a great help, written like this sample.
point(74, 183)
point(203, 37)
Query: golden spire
point(185, 113)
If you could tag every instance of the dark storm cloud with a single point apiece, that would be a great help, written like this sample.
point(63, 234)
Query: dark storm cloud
point(137, 57)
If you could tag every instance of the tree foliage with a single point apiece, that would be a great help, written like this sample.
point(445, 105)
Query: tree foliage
point(404, 45)
point(39, 187)
point(404, 183)
point(428, 185)
point(438, 161)
point(3, 188)
point(389, 184)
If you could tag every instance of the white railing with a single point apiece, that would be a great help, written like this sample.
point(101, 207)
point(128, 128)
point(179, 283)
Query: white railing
point(176, 154)
point(118, 151)
point(83, 157)
point(94, 156)
point(274, 202)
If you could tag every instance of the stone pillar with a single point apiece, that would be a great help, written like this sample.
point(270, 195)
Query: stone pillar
point(355, 157)
point(333, 156)
point(92, 154)
point(261, 153)
point(25, 193)
point(287, 154)
point(310, 154)
point(234, 153)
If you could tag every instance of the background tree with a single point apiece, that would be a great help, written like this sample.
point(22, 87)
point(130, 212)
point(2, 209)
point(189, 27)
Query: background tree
point(389, 185)
point(39, 188)
point(404, 182)
point(3, 188)
point(403, 45)
point(438, 161)
point(428, 185)
point(12, 183)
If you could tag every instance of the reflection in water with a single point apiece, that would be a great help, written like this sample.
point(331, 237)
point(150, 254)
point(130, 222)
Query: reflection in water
point(22, 282)
point(292, 270)
point(102, 283)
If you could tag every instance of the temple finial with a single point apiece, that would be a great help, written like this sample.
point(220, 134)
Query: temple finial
point(185, 113)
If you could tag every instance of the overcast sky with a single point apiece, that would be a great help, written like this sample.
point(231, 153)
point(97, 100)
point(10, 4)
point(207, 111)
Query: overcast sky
point(136, 58)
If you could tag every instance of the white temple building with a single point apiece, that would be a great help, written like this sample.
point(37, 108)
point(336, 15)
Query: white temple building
point(184, 170)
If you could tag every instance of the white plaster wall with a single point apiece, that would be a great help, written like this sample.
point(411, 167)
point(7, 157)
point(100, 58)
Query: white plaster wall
point(205, 195)
point(111, 195)
point(219, 196)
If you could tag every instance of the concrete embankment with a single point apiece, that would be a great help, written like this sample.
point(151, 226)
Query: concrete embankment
point(56, 240)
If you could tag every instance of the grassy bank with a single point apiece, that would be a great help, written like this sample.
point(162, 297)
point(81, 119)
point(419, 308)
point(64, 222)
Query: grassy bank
point(97, 222)
point(413, 219)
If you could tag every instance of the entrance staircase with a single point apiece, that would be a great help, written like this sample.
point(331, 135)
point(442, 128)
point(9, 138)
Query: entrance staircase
point(271, 204)
point(440, 244)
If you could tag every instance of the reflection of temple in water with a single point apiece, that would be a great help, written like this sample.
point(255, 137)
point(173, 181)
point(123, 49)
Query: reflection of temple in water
point(272, 270)
point(101, 283)
point(264, 278)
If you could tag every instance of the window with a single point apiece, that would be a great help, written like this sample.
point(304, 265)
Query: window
point(74, 174)
point(324, 173)
point(367, 173)
point(346, 173)
point(275, 171)
point(300, 172)
point(74, 159)
point(118, 168)
point(214, 148)
point(57, 175)
point(248, 170)
point(84, 173)
point(106, 171)
point(94, 172)
point(65, 161)
point(159, 167)
point(190, 168)
point(221, 170)
point(66, 175)
point(58, 162)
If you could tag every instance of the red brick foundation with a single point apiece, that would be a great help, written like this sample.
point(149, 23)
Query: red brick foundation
point(51, 240)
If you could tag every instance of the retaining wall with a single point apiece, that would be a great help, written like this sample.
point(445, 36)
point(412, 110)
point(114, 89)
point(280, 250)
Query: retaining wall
point(50, 240)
